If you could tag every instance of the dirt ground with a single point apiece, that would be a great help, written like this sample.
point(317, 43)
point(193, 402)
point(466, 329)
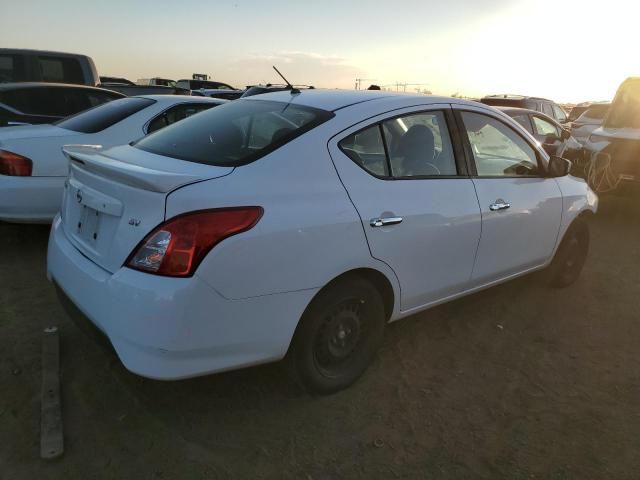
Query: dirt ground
point(516, 382)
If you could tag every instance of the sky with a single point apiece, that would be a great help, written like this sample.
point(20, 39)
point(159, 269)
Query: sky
point(567, 50)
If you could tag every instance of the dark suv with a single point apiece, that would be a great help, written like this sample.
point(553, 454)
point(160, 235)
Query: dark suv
point(548, 107)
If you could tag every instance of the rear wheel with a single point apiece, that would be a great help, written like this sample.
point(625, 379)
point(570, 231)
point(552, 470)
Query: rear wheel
point(571, 255)
point(338, 336)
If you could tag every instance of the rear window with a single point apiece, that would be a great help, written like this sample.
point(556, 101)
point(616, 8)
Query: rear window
point(103, 116)
point(235, 133)
point(38, 101)
point(60, 69)
point(502, 102)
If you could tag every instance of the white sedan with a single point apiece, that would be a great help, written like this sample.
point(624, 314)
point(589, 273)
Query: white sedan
point(33, 167)
point(300, 224)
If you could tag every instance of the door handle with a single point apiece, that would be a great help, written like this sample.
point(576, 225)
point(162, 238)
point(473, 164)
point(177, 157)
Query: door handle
point(499, 205)
point(381, 222)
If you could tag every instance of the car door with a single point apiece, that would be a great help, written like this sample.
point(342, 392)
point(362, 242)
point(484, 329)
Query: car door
point(521, 207)
point(417, 204)
point(549, 135)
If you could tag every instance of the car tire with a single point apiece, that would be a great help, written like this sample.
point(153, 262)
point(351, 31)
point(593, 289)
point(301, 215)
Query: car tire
point(338, 336)
point(571, 255)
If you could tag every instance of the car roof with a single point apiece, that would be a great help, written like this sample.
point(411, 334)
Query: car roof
point(41, 52)
point(22, 85)
point(333, 100)
point(515, 98)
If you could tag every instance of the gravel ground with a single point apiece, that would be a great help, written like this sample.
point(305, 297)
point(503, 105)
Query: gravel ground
point(519, 381)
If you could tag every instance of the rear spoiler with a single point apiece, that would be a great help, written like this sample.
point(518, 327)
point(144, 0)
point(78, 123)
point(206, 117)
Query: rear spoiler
point(92, 158)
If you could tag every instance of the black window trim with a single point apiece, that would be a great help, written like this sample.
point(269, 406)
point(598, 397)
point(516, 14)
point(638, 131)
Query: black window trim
point(454, 139)
point(468, 152)
point(145, 127)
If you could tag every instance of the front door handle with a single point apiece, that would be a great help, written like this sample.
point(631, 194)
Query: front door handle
point(381, 222)
point(499, 205)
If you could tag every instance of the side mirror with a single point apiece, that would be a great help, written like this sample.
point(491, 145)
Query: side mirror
point(558, 167)
point(566, 134)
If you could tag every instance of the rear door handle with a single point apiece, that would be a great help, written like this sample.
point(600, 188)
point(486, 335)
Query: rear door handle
point(381, 222)
point(499, 205)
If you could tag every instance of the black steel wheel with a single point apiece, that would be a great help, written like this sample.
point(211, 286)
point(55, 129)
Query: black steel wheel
point(571, 255)
point(338, 335)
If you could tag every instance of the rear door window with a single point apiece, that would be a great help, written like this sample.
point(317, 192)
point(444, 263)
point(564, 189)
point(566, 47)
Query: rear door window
point(60, 69)
point(411, 146)
point(419, 146)
point(104, 116)
point(366, 149)
point(235, 133)
point(547, 110)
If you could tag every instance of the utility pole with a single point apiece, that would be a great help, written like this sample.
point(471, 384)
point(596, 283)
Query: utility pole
point(360, 80)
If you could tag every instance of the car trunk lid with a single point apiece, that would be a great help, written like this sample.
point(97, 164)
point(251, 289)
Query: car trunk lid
point(113, 198)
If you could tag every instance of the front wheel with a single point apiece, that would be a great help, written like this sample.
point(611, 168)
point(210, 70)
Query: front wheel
point(571, 255)
point(338, 336)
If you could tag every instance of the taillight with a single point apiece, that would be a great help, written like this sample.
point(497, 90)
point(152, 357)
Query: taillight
point(15, 165)
point(176, 247)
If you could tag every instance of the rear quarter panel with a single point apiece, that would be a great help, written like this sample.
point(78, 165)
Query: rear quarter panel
point(309, 234)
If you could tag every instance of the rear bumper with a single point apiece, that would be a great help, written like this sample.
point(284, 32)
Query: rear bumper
point(30, 199)
point(173, 328)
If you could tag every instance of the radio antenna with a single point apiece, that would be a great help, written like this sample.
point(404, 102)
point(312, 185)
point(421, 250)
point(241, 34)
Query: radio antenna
point(294, 90)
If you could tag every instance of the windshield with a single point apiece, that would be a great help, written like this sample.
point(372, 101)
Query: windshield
point(625, 109)
point(235, 133)
point(102, 117)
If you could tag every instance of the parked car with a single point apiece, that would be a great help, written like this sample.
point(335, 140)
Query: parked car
point(578, 110)
point(22, 65)
point(190, 84)
point(209, 88)
point(33, 167)
point(34, 103)
point(300, 225)
point(135, 90)
point(554, 138)
point(613, 149)
point(591, 118)
point(164, 82)
point(548, 107)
